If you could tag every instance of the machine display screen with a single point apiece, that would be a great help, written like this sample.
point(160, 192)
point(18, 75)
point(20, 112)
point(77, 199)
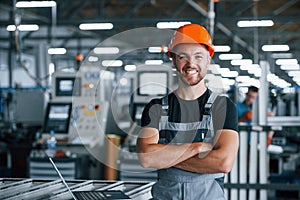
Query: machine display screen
point(152, 83)
point(67, 86)
point(57, 117)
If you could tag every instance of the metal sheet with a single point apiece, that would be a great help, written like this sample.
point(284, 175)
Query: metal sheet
point(54, 189)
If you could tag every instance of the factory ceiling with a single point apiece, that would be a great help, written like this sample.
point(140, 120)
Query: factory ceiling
point(59, 27)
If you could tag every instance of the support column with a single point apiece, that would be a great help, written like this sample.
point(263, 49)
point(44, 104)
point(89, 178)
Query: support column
point(253, 163)
point(234, 179)
point(243, 159)
point(263, 110)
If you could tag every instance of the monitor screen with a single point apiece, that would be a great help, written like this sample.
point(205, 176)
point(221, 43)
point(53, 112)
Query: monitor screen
point(57, 117)
point(67, 86)
point(152, 83)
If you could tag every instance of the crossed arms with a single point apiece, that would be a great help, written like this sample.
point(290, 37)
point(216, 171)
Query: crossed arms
point(195, 157)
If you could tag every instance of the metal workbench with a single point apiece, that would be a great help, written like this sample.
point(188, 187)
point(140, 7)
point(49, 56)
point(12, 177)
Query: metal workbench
point(34, 189)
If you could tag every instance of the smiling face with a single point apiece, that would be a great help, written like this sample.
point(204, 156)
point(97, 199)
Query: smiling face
point(191, 61)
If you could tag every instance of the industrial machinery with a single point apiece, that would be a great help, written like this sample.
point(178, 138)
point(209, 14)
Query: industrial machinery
point(87, 92)
point(77, 113)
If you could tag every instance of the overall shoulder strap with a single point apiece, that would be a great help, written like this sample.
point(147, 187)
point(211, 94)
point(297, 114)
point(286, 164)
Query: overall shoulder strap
point(209, 103)
point(165, 105)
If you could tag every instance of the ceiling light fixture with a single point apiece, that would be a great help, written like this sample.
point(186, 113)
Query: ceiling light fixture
point(35, 4)
point(93, 59)
point(165, 25)
point(228, 73)
point(250, 67)
point(290, 67)
point(286, 61)
point(154, 62)
point(23, 27)
point(157, 49)
point(58, 51)
point(275, 47)
point(222, 48)
point(112, 63)
point(241, 62)
point(281, 55)
point(255, 23)
point(294, 73)
point(106, 50)
point(96, 26)
point(296, 79)
point(130, 68)
point(230, 56)
point(214, 68)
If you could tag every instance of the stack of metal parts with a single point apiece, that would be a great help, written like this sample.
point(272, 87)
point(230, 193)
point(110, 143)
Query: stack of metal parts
point(11, 188)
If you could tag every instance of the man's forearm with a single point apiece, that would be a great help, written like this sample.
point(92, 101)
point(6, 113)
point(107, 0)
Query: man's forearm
point(207, 164)
point(220, 160)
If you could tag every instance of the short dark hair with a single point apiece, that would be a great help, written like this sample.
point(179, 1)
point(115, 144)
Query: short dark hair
point(252, 89)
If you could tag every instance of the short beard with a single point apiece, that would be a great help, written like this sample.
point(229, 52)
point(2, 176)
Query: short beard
point(188, 83)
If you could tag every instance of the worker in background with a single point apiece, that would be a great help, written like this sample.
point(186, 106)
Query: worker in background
point(245, 109)
point(190, 135)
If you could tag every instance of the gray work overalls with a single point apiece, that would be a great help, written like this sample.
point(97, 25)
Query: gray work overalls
point(178, 184)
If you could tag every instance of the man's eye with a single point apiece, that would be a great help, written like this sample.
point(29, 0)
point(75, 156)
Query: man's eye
point(199, 57)
point(182, 57)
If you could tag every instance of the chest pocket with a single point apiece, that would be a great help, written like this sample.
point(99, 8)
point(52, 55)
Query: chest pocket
point(178, 133)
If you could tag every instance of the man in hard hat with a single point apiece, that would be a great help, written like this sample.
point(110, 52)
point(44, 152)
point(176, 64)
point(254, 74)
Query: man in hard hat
point(190, 135)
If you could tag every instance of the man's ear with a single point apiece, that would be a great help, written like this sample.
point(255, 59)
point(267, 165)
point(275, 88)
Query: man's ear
point(174, 60)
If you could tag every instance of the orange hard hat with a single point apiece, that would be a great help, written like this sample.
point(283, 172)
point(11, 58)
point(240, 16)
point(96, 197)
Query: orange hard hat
point(191, 33)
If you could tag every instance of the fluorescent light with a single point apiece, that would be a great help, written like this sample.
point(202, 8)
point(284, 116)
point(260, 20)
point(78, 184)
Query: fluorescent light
point(230, 56)
point(281, 55)
point(23, 27)
point(106, 50)
point(294, 73)
point(112, 63)
point(274, 79)
point(35, 4)
point(255, 23)
point(249, 66)
point(157, 49)
point(222, 48)
point(93, 59)
point(290, 67)
point(241, 62)
point(254, 71)
point(230, 74)
point(164, 25)
point(60, 51)
point(286, 62)
point(227, 81)
point(96, 26)
point(247, 81)
point(257, 73)
point(130, 68)
point(275, 48)
point(154, 62)
point(296, 79)
point(214, 68)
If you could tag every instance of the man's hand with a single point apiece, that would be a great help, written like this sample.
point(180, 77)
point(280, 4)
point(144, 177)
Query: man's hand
point(247, 116)
point(205, 149)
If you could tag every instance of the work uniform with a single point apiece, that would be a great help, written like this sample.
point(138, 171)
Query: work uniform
point(186, 121)
point(242, 109)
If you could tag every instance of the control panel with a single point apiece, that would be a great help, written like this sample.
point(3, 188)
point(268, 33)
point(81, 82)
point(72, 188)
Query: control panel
point(88, 90)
